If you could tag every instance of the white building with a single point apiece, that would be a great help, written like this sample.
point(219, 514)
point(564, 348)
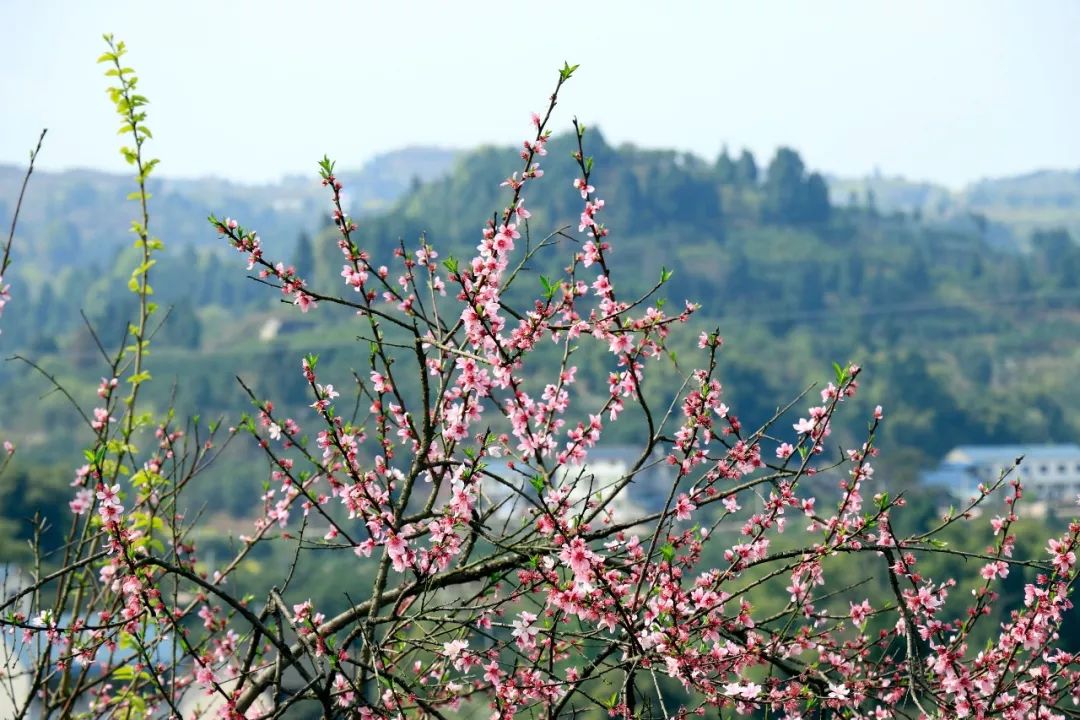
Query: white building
point(15, 673)
point(1049, 473)
point(606, 466)
point(600, 475)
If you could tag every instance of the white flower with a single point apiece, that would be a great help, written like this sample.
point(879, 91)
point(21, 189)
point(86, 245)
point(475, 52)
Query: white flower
point(453, 648)
point(749, 691)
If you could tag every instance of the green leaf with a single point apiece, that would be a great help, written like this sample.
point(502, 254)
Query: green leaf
point(567, 70)
point(841, 373)
point(550, 288)
point(127, 641)
point(538, 483)
point(123, 673)
point(451, 264)
point(665, 274)
point(668, 552)
point(139, 378)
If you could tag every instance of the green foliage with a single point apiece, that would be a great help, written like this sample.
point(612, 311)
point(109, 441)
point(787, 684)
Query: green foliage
point(30, 490)
point(790, 196)
point(746, 170)
point(920, 305)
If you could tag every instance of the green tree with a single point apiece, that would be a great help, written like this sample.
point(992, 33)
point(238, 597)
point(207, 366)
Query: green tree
point(182, 328)
point(783, 187)
point(746, 171)
point(303, 258)
point(789, 195)
point(1055, 255)
point(871, 202)
point(817, 207)
point(725, 168)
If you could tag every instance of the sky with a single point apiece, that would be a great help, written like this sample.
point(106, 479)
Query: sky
point(250, 91)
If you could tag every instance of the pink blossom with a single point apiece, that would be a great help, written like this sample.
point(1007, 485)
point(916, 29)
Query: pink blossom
point(683, 507)
point(584, 187)
point(579, 558)
point(83, 501)
point(860, 612)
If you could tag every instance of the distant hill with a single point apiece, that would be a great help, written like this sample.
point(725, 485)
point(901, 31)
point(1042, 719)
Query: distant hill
point(926, 288)
point(965, 340)
point(1013, 207)
point(388, 176)
point(81, 216)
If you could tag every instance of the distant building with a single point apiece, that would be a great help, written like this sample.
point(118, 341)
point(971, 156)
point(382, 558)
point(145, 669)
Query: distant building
point(1050, 473)
point(13, 580)
point(607, 465)
point(275, 327)
point(198, 703)
point(16, 674)
point(600, 475)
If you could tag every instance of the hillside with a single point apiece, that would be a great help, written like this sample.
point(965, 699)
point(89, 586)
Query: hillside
point(1007, 210)
point(964, 340)
point(82, 216)
point(961, 335)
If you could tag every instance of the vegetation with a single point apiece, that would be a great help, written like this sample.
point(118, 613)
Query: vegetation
point(445, 474)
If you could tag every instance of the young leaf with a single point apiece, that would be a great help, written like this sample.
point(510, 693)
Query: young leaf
point(537, 481)
point(841, 373)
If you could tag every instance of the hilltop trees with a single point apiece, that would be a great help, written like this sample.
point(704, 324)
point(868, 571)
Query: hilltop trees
point(746, 170)
point(790, 195)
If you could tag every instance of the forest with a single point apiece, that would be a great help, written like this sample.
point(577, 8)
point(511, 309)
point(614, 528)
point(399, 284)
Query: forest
point(967, 339)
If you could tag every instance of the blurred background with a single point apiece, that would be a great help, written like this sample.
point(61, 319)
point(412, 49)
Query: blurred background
point(892, 185)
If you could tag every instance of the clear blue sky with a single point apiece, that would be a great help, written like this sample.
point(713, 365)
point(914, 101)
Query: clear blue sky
point(947, 91)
